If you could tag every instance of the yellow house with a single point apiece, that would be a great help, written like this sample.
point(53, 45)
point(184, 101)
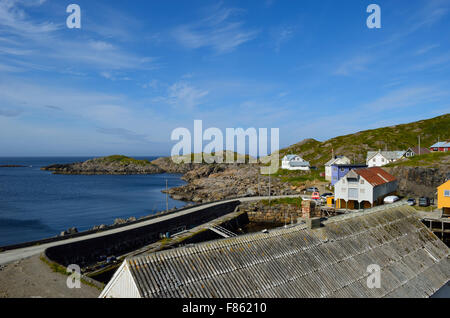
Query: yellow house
point(444, 197)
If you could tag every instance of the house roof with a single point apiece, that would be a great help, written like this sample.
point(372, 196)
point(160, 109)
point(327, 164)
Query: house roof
point(390, 155)
point(375, 176)
point(332, 161)
point(441, 144)
point(445, 185)
point(299, 164)
point(290, 157)
point(422, 150)
point(355, 165)
point(331, 261)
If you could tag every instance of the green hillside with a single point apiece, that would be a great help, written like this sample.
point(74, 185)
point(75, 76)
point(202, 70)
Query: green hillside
point(399, 137)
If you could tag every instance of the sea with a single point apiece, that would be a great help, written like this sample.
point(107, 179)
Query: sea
point(36, 204)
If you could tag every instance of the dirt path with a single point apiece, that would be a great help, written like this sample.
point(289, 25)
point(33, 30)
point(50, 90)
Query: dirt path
point(32, 278)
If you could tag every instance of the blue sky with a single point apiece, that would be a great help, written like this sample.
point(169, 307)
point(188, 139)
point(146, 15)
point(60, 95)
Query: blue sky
point(138, 69)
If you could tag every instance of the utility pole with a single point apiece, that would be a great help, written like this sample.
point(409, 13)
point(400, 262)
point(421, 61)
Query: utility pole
point(419, 145)
point(167, 196)
point(269, 186)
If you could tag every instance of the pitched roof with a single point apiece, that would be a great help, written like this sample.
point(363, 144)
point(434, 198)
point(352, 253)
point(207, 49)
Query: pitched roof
point(375, 175)
point(331, 261)
point(332, 161)
point(422, 150)
point(390, 155)
point(441, 144)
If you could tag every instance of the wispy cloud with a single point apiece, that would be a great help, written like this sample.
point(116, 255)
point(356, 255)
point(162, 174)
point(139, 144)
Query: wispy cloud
point(43, 44)
point(184, 95)
point(125, 134)
point(426, 49)
point(10, 112)
point(406, 97)
point(353, 65)
point(281, 35)
point(220, 31)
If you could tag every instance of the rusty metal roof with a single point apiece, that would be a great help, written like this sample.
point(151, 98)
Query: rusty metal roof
point(297, 262)
point(375, 175)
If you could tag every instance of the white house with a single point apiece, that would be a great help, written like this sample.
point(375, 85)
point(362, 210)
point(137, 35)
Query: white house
point(381, 158)
point(337, 160)
point(362, 188)
point(294, 162)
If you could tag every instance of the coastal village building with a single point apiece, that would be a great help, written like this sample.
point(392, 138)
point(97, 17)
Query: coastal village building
point(338, 171)
point(444, 198)
point(440, 146)
point(381, 158)
point(294, 162)
point(416, 151)
point(336, 160)
point(297, 262)
point(364, 188)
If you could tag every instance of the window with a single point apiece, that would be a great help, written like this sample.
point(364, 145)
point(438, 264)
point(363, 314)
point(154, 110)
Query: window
point(382, 159)
point(362, 191)
point(362, 181)
point(342, 169)
point(446, 193)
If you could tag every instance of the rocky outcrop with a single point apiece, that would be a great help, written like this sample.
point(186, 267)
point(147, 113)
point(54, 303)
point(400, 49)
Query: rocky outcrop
point(218, 182)
point(419, 181)
point(100, 166)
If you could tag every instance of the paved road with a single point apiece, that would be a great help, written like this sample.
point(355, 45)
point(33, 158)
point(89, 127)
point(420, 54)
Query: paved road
point(15, 255)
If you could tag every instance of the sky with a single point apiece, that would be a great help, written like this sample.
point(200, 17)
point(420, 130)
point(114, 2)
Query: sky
point(136, 70)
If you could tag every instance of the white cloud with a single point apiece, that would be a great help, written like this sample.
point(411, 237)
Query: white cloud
point(185, 95)
point(281, 35)
point(43, 47)
point(354, 65)
point(217, 31)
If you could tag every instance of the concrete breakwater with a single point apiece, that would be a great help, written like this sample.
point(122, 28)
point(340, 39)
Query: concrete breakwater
point(89, 251)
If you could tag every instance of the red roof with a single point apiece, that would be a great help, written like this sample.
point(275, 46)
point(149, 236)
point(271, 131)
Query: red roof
point(422, 150)
point(375, 176)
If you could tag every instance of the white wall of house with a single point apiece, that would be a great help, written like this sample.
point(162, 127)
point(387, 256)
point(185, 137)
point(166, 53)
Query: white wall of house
point(286, 164)
point(378, 161)
point(122, 285)
point(360, 191)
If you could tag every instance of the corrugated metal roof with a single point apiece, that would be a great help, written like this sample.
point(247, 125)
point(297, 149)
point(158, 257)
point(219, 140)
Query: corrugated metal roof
point(297, 262)
point(375, 176)
point(441, 144)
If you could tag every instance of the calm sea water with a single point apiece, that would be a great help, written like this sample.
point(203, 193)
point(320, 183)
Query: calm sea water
point(36, 204)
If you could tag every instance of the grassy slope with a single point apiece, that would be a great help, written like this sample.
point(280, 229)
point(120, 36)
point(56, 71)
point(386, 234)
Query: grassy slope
point(123, 160)
point(429, 160)
point(398, 137)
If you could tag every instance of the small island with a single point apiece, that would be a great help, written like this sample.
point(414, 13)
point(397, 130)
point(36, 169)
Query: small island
point(111, 165)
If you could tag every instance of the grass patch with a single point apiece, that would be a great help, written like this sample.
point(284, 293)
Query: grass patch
point(356, 145)
point(123, 160)
point(56, 268)
point(429, 159)
point(283, 201)
point(299, 177)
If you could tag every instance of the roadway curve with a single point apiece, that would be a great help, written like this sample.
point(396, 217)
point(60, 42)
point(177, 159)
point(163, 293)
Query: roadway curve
point(21, 253)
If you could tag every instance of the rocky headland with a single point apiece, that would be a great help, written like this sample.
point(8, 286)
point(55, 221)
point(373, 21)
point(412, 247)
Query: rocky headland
point(114, 165)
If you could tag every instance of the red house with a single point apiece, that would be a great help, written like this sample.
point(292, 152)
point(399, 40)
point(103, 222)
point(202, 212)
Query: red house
point(441, 146)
